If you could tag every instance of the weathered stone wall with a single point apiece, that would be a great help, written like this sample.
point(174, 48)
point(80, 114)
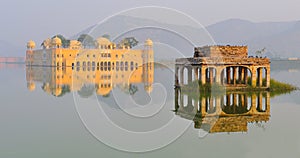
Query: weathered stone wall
point(221, 51)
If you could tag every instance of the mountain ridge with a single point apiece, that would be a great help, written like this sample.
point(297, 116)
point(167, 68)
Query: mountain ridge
point(281, 39)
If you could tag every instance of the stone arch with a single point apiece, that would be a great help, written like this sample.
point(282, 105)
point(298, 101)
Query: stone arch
point(261, 103)
point(236, 74)
point(185, 75)
point(261, 74)
point(235, 104)
point(211, 74)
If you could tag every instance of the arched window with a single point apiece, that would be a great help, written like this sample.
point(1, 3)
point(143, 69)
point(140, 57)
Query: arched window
point(126, 66)
point(122, 66)
point(131, 66)
point(117, 66)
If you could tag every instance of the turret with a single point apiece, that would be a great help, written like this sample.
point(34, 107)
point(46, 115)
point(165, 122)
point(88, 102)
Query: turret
point(30, 45)
point(148, 67)
point(148, 43)
point(31, 86)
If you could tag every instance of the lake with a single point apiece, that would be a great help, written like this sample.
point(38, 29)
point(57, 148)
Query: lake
point(49, 112)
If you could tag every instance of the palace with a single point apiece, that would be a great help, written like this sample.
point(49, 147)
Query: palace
point(229, 66)
point(73, 68)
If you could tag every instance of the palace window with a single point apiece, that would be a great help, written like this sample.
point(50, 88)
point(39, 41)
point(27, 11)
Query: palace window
point(126, 66)
point(108, 66)
point(122, 65)
point(117, 66)
point(131, 66)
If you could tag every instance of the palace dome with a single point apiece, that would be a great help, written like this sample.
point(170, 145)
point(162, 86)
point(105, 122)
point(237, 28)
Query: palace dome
point(46, 88)
point(57, 91)
point(30, 44)
point(103, 41)
point(56, 41)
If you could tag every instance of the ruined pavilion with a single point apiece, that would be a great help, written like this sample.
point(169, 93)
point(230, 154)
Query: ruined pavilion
point(229, 66)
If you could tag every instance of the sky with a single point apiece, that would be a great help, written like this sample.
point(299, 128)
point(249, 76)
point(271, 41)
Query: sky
point(38, 19)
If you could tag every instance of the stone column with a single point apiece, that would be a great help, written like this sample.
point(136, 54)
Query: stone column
point(211, 104)
point(253, 103)
point(234, 99)
point(228, 75)
point(242, 99)
point(242, 74)
point(246, 76)
point(176, 75)
point(181, 101)
point(218, 105)
point(203, 75)
point(189, 75)
point(176, 99)
point(222, 77)
point(234, 75)
point(218, 75)
point(268, 102)
point(196, 105)
point(203, 106)
point(211, 75)
point(268, 78)
point(260, 76)
point(228, 99)
point(246, 100)
point(260, 101)
point(196, 74)
point(189, 103)
point(181, 76)
point(234, 104)
point(253, 83)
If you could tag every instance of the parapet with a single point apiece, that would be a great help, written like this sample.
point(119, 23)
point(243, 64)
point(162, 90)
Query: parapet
point(221, 51)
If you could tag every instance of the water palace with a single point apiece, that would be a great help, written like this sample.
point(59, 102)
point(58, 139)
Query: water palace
point(106, 66)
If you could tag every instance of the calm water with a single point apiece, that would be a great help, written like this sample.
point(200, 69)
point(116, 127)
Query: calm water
point(41, 120)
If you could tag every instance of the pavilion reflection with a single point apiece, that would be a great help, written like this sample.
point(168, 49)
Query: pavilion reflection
point(227, 112)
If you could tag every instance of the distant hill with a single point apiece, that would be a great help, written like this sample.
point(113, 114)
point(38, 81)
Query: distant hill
point(282, 39)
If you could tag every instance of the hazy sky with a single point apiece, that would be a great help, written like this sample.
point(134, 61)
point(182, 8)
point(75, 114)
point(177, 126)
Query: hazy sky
point(22, 20)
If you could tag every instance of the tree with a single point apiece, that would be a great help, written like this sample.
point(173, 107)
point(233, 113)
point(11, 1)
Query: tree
point(259, 53)
point(86, 40)
point(65, 42)
point(65, 89)
point(132, 89)
point(129, 42)
point(86, 91)
point(107, 36)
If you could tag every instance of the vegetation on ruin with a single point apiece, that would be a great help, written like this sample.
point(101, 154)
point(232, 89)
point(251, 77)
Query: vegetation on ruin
point(276, 88)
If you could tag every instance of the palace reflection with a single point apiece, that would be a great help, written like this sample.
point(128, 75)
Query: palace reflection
point(59, 81)
point(228, 112)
